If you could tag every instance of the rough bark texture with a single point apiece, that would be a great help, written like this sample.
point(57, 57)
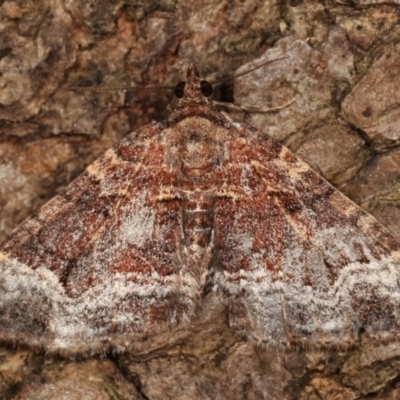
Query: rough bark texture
point(341, 69)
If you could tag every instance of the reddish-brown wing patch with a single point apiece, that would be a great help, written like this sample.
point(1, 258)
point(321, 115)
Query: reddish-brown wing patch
point(86, 270)
point(301, 263)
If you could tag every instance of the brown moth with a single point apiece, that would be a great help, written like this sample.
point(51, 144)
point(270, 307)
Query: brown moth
point(193, 204)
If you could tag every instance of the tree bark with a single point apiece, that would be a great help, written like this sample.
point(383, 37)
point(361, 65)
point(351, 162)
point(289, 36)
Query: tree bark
point(340, 75)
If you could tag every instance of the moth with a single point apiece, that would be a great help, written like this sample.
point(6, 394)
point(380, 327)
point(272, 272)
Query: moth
point(193, 204)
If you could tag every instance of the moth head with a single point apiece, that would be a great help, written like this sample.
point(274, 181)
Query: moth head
point(193, 88)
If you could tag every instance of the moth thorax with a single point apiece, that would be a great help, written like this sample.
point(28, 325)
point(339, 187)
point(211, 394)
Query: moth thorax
point(197, 150)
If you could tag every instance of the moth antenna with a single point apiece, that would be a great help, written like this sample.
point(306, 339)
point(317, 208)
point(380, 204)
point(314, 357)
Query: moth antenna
point(247, 72)
point(238, 107)
point(99, 88)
